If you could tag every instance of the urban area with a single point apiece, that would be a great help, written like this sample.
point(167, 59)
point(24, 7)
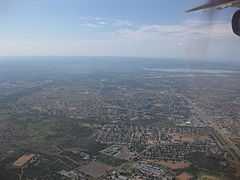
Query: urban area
point(119, 121)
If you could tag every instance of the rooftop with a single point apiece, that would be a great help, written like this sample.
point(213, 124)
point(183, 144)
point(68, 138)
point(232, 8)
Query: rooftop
point(20, 162)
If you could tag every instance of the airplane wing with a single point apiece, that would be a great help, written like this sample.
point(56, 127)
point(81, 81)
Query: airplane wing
point(217, 4)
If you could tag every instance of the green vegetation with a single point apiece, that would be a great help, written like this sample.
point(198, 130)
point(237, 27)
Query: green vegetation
point(110, 160)
point(197, 172)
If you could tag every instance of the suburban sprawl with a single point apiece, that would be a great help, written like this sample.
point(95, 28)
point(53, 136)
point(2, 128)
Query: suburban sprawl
point(119, 119)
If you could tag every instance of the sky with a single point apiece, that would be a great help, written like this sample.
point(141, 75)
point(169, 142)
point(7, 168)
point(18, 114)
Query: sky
point(138, 28)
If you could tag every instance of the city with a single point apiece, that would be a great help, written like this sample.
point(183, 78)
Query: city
point(138, 123)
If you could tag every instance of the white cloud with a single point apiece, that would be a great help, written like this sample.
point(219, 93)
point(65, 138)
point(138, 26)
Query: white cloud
point(185, 30)
point(107, 22)
point(122, 23)
point(191, 39)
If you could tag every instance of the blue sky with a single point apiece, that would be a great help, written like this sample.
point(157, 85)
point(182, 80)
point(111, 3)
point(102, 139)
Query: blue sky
point(144, 28)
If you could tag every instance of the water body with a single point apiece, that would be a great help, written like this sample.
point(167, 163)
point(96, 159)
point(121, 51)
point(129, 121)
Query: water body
point(201, 71)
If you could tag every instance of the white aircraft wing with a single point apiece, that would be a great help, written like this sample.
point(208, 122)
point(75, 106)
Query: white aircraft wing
point(217, 4)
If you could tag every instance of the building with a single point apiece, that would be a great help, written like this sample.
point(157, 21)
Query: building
point(24, 161)
point(184, 176)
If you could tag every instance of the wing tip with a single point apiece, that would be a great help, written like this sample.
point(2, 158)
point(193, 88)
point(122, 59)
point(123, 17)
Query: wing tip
point(188, 11)
point(194, 9)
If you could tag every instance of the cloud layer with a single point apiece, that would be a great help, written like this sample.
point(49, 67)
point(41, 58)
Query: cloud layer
point(113, 37)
